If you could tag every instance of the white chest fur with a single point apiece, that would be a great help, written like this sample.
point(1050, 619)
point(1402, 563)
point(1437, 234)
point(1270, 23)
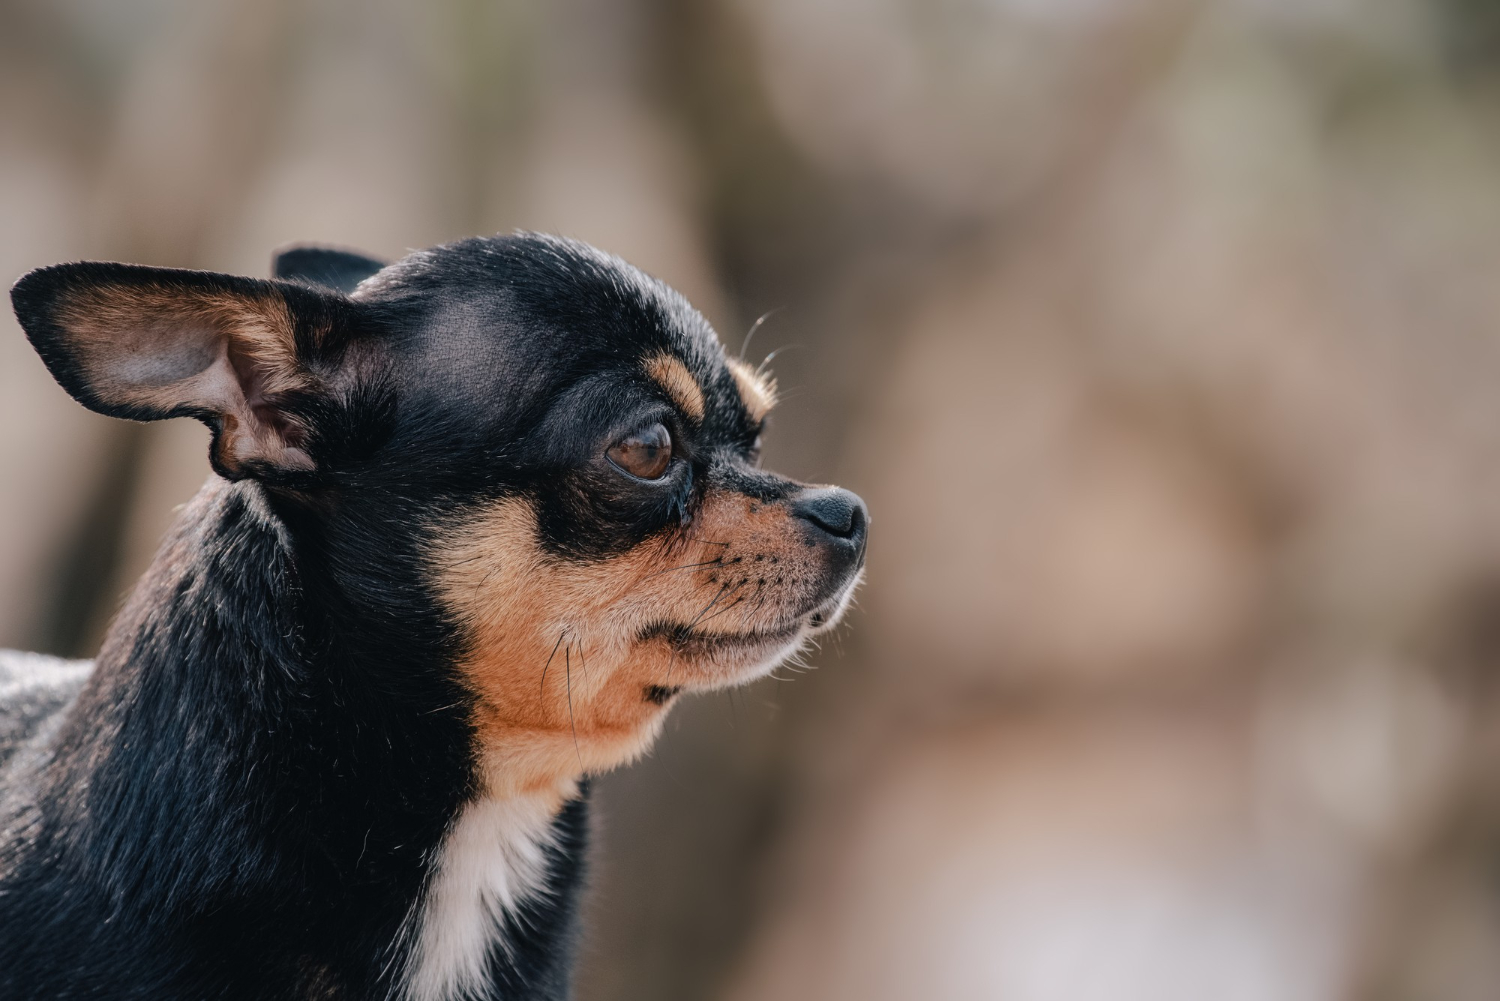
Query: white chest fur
point(491, 860)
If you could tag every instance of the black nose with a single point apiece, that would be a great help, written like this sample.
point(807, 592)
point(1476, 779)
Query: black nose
point(836, 512)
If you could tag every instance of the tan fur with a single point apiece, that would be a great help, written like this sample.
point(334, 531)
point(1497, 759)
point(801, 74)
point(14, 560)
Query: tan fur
point(528, 613)
point(757, 389)
point(673, 376)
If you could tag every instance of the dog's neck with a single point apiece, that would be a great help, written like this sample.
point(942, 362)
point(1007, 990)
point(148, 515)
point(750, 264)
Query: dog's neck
point(316, 774)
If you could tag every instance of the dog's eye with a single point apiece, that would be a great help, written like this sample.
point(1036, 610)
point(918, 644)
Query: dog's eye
point(754, 450)
point(645, 453)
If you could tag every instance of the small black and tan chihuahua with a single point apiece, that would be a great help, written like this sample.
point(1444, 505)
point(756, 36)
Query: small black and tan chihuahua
point(478, 517)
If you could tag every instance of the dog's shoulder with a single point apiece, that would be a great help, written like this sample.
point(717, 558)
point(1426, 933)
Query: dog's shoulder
point(34, 690)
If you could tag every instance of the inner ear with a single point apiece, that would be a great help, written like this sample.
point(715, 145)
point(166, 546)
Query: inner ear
point(148, 343)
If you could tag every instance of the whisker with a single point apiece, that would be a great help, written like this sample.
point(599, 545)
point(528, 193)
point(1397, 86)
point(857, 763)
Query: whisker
point(459, 563)
point(745, 345)
point(727, 607)
point(542, 688)
point(688, 628)
point(688, 566)
point(699, 617)
point(785, 347)
point(568, 666)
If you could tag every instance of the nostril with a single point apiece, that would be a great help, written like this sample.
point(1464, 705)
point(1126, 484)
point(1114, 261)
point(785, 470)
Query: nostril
point(833, 522)
point(837, 512)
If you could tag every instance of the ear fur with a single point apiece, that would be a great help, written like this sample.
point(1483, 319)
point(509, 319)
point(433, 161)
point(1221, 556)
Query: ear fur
point(146, 343)
point(329, 267)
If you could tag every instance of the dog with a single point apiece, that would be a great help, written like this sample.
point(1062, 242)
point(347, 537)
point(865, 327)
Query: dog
point(478, 518)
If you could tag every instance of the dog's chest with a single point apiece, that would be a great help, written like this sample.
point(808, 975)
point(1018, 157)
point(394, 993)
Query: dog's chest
point(492, 860)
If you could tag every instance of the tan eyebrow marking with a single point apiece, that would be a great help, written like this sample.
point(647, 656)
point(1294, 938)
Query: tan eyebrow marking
point(673, 376)
point(757, 389)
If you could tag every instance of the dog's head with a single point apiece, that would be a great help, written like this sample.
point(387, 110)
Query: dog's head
point(545, 447)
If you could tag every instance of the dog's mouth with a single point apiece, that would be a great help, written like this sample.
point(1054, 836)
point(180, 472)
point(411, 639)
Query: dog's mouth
point(691, 642)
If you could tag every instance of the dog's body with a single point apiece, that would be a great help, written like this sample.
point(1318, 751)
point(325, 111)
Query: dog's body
point(475, 525)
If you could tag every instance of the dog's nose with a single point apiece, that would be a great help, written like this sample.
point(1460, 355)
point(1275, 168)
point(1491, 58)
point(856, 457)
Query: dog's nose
point(835, 512)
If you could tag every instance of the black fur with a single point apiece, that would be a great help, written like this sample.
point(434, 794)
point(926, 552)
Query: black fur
point(246, 796)
point(330, 267)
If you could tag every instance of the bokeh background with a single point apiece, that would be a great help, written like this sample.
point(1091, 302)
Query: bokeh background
point(1161, 336)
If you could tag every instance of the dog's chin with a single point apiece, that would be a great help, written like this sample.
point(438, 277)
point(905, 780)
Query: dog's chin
point(718, 659)
point(831, 612)
point(715, 659)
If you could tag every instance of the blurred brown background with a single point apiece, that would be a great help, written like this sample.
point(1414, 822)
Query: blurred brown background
point(1162, 337)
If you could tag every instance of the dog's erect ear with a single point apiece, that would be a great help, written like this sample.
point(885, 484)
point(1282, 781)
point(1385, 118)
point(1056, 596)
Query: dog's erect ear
point(329, 267)
point(243, 355)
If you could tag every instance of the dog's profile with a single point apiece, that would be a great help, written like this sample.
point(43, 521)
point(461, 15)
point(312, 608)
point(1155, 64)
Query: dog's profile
point(479, 516)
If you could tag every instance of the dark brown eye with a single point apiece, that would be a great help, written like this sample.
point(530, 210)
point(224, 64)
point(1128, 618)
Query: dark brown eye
point(645, 453)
